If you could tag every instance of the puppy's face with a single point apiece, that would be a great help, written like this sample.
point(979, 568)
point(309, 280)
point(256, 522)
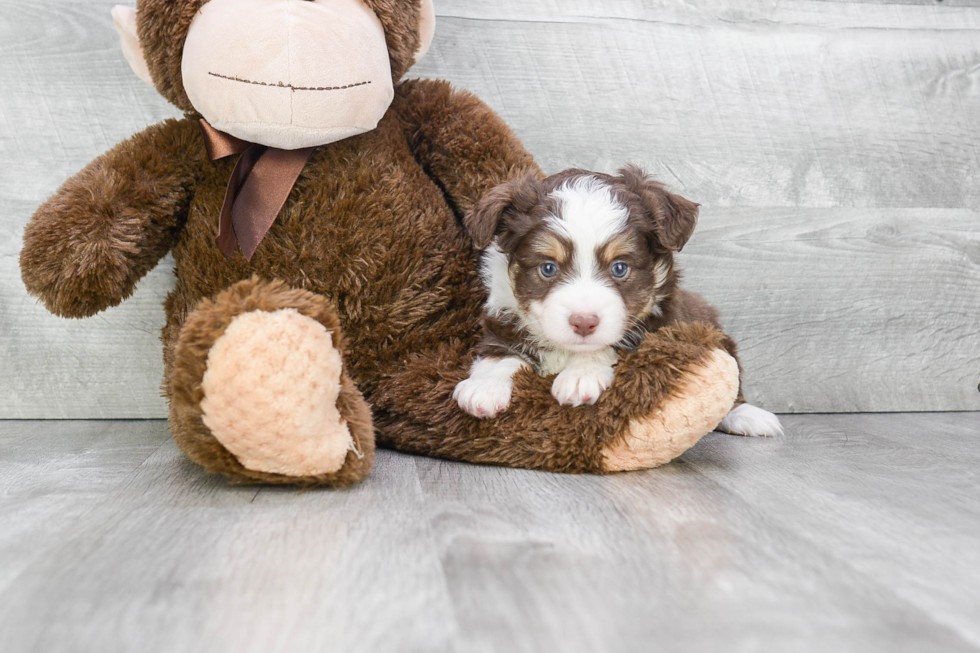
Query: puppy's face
point(579, 258)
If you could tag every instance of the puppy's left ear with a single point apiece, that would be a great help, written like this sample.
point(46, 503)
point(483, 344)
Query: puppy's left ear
point(673, 216)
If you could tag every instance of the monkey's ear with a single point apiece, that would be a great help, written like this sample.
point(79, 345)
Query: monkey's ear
point(494, 209)
point(124, 18)
point(427, 28)
point(672, 217)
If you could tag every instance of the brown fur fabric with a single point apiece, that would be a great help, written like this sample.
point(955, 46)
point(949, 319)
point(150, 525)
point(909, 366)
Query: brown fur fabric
point(400, 20)
point(162, 27)
point(112, 222)
point(684, 307)
point(205, 325)
point(370, 239)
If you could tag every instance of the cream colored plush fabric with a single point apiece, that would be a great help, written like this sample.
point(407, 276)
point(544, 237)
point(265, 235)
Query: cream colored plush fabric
point(701, 405)
point(124, 19)
point(427, 29)
point(314, 72)
point(270, 394)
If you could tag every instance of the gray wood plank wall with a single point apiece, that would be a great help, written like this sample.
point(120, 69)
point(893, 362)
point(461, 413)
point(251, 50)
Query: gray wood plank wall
point(833, 146)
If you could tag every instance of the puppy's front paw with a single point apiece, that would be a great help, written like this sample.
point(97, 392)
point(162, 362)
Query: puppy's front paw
point(483, 397)
point(575, 386)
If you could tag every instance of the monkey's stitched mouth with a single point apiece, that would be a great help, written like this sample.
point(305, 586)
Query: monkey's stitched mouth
point(289, 86)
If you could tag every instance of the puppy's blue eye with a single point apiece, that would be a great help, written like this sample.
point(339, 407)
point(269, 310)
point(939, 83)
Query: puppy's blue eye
point(548, 269)
point(620, 269)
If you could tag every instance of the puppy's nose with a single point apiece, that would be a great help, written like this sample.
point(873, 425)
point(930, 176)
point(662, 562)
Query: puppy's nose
point(584, 324)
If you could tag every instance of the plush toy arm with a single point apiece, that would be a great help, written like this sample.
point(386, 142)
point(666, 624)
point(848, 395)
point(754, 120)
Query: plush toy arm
point(106, 227)
point(459, 140)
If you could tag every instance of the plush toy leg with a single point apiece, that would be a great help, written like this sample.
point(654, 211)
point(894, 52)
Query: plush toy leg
point(675, 389)
point(258, 390)
point(698, 403)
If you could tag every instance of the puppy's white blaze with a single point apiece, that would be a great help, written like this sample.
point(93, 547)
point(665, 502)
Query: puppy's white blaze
point(496, 279)
point(752, 421)
point(589, 216)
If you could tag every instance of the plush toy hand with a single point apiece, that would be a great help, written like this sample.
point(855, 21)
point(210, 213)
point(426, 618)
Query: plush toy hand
point(106, 227)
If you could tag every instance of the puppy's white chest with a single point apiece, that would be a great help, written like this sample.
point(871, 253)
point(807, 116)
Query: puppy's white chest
point(554, 361)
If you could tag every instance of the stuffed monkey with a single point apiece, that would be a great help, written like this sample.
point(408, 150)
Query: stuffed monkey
point(327, 293)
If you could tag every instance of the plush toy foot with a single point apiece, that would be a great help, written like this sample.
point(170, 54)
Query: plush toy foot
point(270, 394)
point(259, 392)
point(708, 391)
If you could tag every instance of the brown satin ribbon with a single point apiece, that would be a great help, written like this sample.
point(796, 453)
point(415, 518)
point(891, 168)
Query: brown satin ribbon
point(257, 190)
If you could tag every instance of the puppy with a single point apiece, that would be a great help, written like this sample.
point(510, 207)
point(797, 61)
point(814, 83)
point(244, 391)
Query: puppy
point(578, 267)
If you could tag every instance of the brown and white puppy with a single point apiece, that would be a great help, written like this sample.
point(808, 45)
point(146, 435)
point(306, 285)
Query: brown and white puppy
point(579, 266)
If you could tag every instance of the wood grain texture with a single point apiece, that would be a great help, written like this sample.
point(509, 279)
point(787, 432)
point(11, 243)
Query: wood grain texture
point(860, 116)
point(856, 309)
point(851, 533)
point(51, 477)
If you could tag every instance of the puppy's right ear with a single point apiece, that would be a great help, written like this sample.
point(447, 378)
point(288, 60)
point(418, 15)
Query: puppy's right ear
point(499, 206)
point(672, 217)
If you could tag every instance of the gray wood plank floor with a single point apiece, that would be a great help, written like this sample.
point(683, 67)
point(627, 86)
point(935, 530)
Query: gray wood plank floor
point(851, 533)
